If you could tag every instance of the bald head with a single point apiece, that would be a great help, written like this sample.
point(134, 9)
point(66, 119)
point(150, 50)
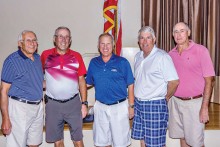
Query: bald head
point(182, 25)
point(181, 33)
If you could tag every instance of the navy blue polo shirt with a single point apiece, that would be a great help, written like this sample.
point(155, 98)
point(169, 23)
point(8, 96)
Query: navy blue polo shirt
point(24, 75)
point(110, 79)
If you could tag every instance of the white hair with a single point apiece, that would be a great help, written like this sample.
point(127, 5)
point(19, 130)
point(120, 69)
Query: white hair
point(20, 36)
point(147, 29)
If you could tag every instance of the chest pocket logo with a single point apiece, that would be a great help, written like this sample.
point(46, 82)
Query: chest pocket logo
point(114, 70)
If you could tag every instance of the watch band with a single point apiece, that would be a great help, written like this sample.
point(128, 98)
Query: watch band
point(85, 103)
point(131, 105)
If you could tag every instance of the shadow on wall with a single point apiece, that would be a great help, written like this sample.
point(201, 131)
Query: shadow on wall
point(129, 53)
point(91, 92)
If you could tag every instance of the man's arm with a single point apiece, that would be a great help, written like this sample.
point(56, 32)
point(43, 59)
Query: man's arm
point(83, 94)
point(171, 88)
point(6, 123)
point(131, 100)
point(204, 112)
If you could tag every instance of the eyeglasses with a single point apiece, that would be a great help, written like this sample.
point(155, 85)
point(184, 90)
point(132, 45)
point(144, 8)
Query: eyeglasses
point(29, 41)
point(60, 37)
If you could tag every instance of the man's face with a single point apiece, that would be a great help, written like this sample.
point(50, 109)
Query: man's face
point(181, 34)
point(146, 42)
point(29, 44)
point(105, 46)
point(62, 40)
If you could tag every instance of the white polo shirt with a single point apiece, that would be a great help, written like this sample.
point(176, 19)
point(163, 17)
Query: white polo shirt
point(152, 74)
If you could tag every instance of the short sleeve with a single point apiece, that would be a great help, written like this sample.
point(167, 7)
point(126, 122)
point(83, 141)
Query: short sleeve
point(82, 67)
point(89, 78)
point(8, 72)
point(206, 64)
point(129, 78)
point(168, 69)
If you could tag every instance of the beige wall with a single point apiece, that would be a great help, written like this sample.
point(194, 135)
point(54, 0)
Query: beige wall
point(83, 17)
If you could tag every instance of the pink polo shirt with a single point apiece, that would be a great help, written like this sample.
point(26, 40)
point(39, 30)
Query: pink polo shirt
point(192, 66)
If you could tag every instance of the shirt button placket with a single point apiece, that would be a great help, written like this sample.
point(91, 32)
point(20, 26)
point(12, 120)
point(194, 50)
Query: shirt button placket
point(105, 68)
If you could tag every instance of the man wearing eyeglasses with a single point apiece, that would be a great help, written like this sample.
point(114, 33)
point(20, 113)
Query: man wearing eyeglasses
point(64, 74)
point(21, 94)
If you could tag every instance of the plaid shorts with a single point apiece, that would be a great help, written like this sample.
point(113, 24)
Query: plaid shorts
point(150, 122)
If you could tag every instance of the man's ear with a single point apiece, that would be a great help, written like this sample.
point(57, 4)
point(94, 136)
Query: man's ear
point(20, 44)
point(155, 39)
point(54, 43)
point(189, 32)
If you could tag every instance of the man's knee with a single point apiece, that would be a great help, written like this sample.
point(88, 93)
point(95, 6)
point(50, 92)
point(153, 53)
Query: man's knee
point(78, 143)
point(59, 143)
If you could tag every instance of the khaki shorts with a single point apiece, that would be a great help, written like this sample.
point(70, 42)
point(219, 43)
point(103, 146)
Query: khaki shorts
point(27, 124)
point(111, 125)
point(184, 121)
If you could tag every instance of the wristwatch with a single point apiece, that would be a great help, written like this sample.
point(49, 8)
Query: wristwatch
point(131, 105)
point(85, 103)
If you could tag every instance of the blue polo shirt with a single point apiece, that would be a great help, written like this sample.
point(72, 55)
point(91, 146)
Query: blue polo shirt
point(24, 75)
point(110, 79)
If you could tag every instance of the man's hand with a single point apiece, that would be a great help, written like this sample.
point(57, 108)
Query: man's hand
point(131, 112)
point(84, 110)
point(204, 115)
point(6, 123)
point(6, 126)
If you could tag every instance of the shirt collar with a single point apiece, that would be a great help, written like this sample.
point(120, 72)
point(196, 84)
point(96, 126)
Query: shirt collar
point(22, 54)
point(112, 57)
point(56, 53)
point(191, 43)
point(151, 53)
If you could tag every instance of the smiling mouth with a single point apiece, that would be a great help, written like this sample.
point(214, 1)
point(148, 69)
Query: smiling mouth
point(145, 45)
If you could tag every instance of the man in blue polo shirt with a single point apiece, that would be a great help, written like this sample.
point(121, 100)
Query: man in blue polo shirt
point(111, 75)
point(21, 94)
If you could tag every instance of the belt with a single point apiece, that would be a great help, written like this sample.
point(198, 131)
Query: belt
point(189, 98)
point(117, 102)
point(60, 101)
point(25, 101)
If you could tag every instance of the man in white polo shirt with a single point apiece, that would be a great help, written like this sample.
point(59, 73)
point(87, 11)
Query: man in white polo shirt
point(155, 82)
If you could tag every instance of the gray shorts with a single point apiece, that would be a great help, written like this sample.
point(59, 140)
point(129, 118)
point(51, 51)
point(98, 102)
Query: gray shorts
point(59, 113)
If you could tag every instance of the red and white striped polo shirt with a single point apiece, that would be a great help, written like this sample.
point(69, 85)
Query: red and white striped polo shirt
point(62, 73)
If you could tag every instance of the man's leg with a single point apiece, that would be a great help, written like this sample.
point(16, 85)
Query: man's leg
point(183, 143)
point(59, 143)
point(33, 145)
point(78, 143)
point(142, 143)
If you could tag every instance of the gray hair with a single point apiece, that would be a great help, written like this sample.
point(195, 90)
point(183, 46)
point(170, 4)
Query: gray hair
point(61, 28)
point(20, 36)
point(146, 29)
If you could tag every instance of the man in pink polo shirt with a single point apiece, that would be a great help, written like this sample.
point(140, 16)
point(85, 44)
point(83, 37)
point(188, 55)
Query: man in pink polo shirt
point(188, 108)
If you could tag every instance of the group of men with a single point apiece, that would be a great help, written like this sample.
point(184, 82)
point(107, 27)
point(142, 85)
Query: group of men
point(175, 87)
